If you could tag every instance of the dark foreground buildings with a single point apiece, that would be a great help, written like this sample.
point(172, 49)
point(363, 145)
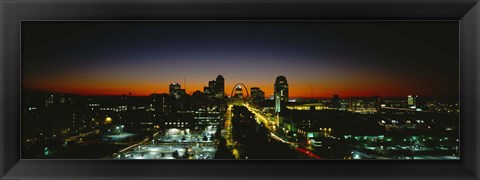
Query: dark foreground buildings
point(60, 125)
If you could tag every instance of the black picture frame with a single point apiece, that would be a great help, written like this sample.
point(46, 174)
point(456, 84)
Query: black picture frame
point(467, 12)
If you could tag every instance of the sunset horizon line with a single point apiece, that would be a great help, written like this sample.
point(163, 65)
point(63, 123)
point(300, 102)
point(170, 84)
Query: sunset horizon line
point(266, 97)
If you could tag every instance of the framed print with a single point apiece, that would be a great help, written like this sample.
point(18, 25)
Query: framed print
point(224, 89)
point(286, 90)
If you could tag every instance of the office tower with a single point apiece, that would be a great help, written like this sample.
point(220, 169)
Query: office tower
point(175, 90)
point(257, 95)
point(211, 87)
point(412, 101)
point(220, 87)
point(280, 93)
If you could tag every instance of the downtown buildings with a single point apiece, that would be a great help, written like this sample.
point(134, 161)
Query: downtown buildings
point(332, 127)
point(216, 88)
point(66, 123)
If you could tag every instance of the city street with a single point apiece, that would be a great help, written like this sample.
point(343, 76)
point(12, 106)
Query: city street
point(301, 148)
point(228, 136)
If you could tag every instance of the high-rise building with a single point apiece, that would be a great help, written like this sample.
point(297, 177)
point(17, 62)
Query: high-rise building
point(257, 95)
point(215, 88)
point(175, 90)
point(280, 93)
point(220, 87)
point(412, 101)
point(211, 87)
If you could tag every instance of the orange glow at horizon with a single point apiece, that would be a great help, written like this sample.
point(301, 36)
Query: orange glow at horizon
point(142, 83)
point(296, 90)
point(318, 59)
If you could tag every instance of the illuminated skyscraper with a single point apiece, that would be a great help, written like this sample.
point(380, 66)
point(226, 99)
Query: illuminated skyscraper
point(280, 93)
point(175, 90)
point(412, 101)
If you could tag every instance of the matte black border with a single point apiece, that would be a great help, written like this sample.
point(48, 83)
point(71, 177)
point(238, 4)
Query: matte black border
point(13, 11)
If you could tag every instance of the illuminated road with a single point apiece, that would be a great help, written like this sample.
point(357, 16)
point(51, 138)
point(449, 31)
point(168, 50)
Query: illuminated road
point(228, 136)
point(269, 125)
point(81, 135)
point(308, 153)
point(299, 147)
point(259, 116)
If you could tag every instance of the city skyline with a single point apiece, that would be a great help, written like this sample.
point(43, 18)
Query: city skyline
point(341, 90)
point(227, 92)
point(319, 59)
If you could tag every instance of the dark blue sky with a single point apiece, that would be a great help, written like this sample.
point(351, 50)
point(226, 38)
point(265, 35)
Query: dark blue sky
point(347, 58)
